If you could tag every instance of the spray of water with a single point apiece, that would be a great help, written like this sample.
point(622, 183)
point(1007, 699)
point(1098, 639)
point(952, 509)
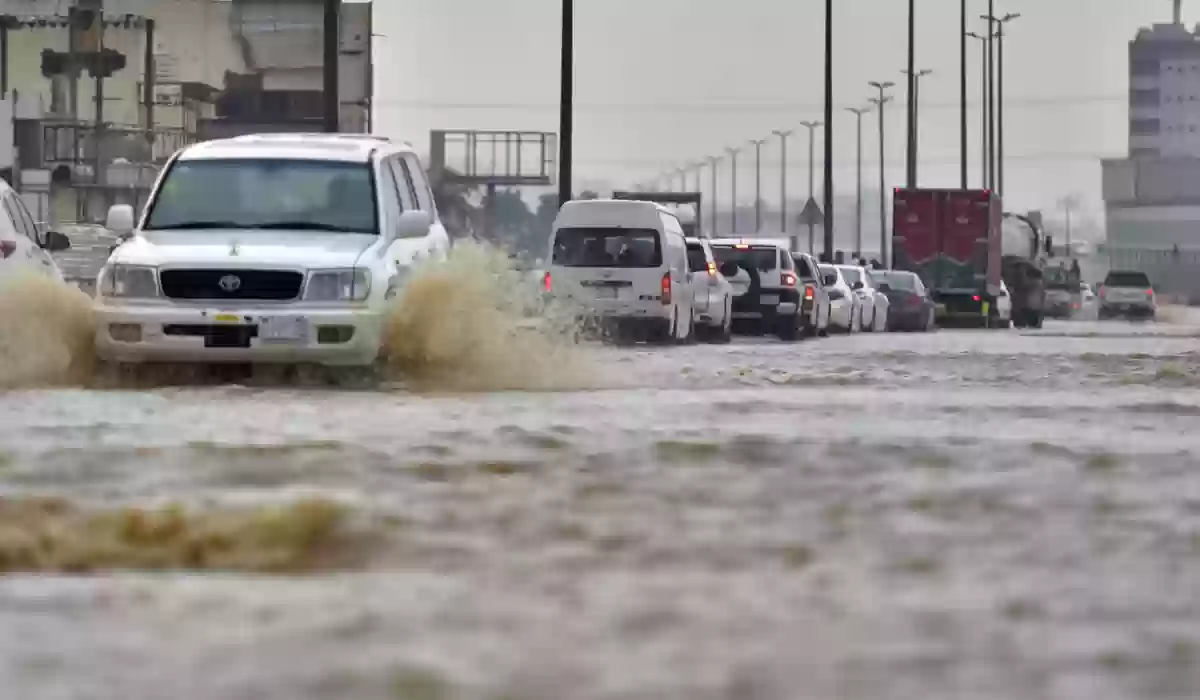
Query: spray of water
point(45, 333)
point(474, 323)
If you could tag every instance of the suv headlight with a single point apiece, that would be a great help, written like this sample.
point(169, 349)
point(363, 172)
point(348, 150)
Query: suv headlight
point(128, 282)
point(353, 284)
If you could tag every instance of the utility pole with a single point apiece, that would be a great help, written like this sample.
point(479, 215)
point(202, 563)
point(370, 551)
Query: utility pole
point(783, 167)
point(962, 96)
point(812, 170)
point(566, 101)
point(990, 17)
point(858, 113)
point(828, 218)
point(983, 108)
point(915, 115)
point(332, 45)
point(911, 169)
point(733, 154)
point(757, 185)
point(713, 161)
point(881, 102)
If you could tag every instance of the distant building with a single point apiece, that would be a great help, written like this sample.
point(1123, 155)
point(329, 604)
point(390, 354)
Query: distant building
point(1152, 197)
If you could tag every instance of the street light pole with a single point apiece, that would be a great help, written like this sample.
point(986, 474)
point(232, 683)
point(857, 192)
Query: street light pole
point(566, 101)
point(733, 173)
point(1000, 23)
point(713, 161)
point(881, 102)
point(910, 171)
point(858, 113)
point(783, 222)
point(829, 130)
point(990, 17)
point(758, 185)
point(983, 108)
point(916, 124)
point(812, 170)
point(962, 94)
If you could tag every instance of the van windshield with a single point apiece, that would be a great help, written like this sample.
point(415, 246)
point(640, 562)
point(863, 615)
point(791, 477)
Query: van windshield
point(607, 247)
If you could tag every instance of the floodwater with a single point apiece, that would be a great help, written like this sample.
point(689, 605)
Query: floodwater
point(977, 515)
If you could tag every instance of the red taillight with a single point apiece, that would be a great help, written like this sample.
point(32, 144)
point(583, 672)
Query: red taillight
point(1101, 291)
point(975, 298)
point(914, 301)
point(666, 289)
point(7, 248)
point(1149, 292)
point(546, 283)
point(789, 280)
point(808, 293)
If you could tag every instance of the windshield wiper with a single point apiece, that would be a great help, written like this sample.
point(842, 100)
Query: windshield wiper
point(185, 225)
point(305, 226)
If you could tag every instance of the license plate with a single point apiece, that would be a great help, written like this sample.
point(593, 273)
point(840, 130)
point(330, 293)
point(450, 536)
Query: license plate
point(226, 318)
point(769, 299)
point(606, 292)
point(283, 329)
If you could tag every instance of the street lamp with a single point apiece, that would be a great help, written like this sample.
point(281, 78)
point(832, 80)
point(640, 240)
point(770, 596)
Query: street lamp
point(829, 130)
point(880, 102)
point(566, 101)
point(914, 153)
point(984, 107)
point(911, 164)
point(962, 90)
point(733, 154)
point(783, 222)
point(812, 127)
point(858, 112)
point(1000, 23)
point(757, 184)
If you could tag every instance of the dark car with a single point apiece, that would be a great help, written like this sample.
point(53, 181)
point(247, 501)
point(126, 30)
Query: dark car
point(910, 306)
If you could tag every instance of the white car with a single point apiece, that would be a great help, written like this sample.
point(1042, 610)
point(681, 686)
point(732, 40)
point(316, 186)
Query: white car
point(873, 306)
point(24, 246)
point(622, 265)
point(280, 248)
point(1004, 306)
point(845, 307)
point(713, 293)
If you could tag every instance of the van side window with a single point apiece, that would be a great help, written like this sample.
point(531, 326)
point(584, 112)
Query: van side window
point(421, 189)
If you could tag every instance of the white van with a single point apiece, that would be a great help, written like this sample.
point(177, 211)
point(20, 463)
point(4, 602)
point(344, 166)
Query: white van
point(625, 264)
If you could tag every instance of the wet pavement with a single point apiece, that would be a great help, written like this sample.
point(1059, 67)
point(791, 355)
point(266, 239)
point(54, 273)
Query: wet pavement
point(967, 514)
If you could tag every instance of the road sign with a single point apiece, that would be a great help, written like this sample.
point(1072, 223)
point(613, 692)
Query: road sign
point(811, 215)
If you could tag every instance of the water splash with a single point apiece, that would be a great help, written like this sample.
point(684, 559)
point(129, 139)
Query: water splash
point(46, 333)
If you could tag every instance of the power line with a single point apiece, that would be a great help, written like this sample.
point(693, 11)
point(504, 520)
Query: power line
point(1032, 158)
point(1009, 103)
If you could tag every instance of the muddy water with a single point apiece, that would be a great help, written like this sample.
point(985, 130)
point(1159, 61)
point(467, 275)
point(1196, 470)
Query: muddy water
point(969, 515)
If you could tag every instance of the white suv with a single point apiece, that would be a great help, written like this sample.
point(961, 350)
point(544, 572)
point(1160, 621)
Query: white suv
point(267, 248)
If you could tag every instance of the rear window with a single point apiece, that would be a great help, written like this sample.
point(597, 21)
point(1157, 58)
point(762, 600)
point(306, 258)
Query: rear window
point(901, 281)
point(763, 258)
point(696, 260)
point(851, 275)
point(803, 268)
point(607, 247)
point(1127, 279)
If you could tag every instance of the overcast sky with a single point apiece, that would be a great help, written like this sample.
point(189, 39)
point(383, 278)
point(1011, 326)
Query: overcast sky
point(663, 82)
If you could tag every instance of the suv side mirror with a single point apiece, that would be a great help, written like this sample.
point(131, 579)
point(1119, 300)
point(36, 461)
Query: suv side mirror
point(119, 219)
point(857, 286)
point(56, 241)
point(729, 269)
point(413, 224)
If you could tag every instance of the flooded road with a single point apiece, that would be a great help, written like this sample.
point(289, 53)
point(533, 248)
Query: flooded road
point(969, 515)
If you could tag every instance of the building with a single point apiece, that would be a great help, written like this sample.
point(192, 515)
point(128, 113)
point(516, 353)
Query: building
point(1152, 197)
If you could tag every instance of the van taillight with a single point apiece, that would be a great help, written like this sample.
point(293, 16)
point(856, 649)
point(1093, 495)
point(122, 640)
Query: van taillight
point(546, 283)
point(7, 248)
point(808, 293)
point(1101, 291)
point(666, 289)
point(789, 280)
point(1149, 292)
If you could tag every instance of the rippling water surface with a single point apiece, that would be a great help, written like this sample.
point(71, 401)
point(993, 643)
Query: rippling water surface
point(967, 515)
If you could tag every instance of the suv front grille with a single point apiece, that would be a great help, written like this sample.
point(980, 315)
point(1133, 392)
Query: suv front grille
point(263, 285)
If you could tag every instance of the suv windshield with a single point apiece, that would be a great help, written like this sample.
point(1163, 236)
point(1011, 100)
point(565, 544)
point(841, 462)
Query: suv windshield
point(1127, 279)
point(607, 247)
point(257, 193)
point(763, 258)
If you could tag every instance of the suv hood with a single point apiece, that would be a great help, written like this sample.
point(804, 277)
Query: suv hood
point(245, 248)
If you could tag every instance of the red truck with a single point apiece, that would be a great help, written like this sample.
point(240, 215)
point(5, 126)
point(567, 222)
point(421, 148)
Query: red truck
point(951, 239)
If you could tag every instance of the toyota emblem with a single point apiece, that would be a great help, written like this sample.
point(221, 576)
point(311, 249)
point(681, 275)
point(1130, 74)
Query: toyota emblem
point(229, 283)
